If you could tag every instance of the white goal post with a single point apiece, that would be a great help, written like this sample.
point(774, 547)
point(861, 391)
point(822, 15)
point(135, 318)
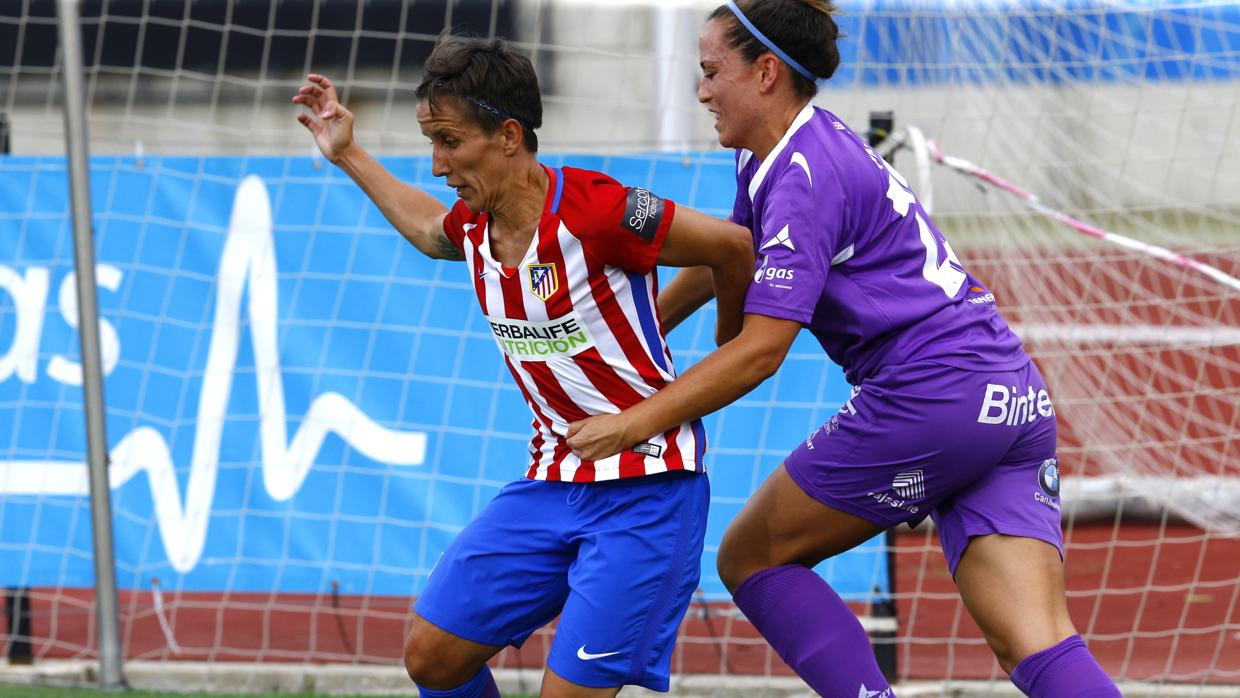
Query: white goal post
point(302, 411)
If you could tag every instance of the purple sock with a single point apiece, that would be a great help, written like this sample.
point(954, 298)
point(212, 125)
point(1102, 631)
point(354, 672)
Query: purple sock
point(1066, 670)
point(481, 686)
point(813, 630)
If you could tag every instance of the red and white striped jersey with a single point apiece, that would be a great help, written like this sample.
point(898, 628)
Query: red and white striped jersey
point(577, 320)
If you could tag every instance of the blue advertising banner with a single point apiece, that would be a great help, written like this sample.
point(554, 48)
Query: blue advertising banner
point(909, 43)
point(295, 395)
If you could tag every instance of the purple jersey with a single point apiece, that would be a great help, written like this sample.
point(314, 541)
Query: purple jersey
point(844, 248)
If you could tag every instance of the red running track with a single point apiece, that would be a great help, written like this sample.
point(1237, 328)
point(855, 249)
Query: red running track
point(1158, 604)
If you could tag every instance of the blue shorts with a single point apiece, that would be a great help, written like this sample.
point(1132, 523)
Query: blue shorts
point(974, 450)
point(618, 561)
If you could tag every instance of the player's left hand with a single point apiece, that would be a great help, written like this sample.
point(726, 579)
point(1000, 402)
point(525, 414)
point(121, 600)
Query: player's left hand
point(328, 121)
point(596, 438)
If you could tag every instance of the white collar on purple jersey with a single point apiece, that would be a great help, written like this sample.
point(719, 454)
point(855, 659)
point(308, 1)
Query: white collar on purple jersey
point(797, 123)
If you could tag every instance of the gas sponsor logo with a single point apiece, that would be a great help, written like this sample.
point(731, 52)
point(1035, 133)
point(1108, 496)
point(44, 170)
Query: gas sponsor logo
point(774, 276)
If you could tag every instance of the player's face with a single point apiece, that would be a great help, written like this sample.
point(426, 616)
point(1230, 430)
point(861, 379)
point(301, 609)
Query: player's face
point(728, 87)
point(467, 158)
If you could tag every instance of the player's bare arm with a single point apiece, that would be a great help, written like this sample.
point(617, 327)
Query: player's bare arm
point(714, 382)
point(684, 294)
point(418, 216)
point(725, 251)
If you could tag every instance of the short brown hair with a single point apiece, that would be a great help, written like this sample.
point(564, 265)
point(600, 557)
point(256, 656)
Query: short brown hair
point(493, 82)
point(803, 29)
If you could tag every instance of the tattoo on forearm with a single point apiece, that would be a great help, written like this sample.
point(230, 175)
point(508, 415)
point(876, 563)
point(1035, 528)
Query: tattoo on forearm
point(445, 248)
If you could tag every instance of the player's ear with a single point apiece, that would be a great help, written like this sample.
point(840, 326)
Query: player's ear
point(768, 71)
point(514, 136)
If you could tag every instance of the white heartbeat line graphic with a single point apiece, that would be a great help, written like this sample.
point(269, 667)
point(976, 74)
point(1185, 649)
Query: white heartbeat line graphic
point(248, 259)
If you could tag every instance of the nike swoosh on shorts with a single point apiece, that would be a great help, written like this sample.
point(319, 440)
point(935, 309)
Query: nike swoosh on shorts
point(585, 656)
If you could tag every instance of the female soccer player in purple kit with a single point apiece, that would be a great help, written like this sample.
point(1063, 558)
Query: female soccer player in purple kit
point(949, 417)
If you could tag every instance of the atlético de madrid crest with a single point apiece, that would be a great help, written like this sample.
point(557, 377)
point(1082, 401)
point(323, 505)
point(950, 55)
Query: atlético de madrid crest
point(544, 282)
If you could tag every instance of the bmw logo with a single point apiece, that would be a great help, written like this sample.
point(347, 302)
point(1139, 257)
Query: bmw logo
point(1048, 476)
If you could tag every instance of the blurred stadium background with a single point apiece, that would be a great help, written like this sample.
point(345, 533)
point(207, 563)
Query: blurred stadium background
point(302, 411)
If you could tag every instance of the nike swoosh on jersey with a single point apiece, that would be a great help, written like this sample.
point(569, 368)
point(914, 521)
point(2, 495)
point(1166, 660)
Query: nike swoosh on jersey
point(585, 656)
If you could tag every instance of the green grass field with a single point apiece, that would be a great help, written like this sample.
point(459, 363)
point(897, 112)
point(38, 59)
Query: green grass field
point(12, 691)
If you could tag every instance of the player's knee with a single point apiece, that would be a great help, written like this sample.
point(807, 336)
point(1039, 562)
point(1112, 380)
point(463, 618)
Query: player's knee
point(733, 564)
point(1011, 649)
point(427, 666)
point(1005, 652)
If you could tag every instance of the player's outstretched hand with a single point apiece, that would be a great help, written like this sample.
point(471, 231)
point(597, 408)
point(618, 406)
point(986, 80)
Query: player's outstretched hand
point(596, 438)
point(328, 120)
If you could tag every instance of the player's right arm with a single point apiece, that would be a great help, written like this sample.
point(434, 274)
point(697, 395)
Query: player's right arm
point(684, 294)
point(418, 216)
point(721, 248)
point(694, 286)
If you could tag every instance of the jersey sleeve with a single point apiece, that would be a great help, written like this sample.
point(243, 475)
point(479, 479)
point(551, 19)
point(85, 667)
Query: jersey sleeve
point(742, 207)
point(620, 226)
point(454, 223)
point(800, 228)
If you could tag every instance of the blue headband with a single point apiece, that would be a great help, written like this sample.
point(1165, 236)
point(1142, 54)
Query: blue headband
point(497, 111)
point(484, 104)
point(768, 43)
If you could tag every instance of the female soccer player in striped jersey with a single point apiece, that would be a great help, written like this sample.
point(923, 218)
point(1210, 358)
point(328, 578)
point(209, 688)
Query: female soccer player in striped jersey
point(948, 418)
point(562, 261)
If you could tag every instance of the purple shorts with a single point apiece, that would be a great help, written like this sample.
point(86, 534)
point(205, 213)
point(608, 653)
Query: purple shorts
point(974, 450)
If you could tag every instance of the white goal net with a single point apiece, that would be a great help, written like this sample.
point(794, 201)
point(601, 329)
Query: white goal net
point(302, 411)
